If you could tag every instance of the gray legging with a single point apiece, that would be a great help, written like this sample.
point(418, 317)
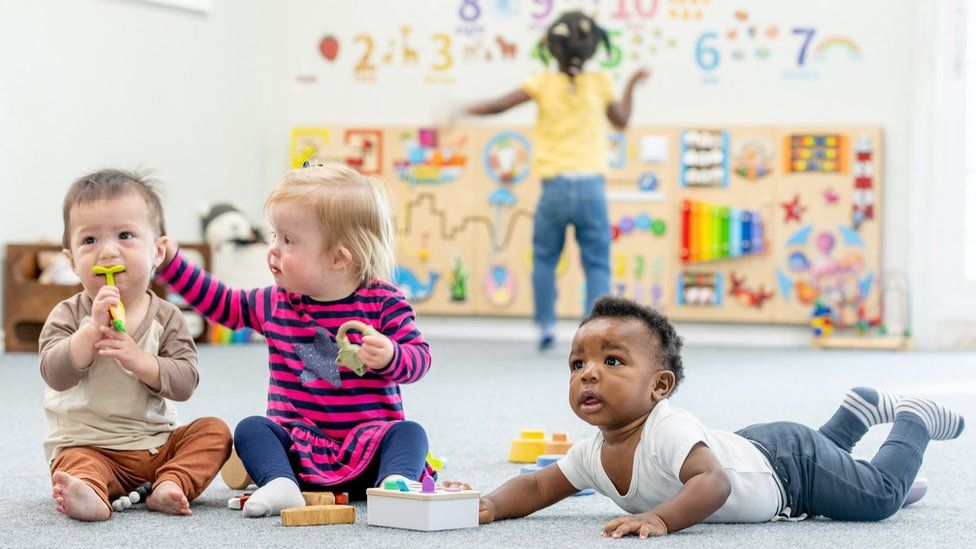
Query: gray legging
point(820, 476)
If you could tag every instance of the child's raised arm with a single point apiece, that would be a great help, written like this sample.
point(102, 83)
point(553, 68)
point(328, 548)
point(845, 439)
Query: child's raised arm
point(706, 487)
point(526, 494)
point(231, 307)
point(501, 104)
point(618, 112)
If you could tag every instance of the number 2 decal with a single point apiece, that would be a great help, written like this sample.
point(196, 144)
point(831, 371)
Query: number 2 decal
point(364, 64)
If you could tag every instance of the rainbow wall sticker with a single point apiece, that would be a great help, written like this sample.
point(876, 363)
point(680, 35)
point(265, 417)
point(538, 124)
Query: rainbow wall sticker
point(840, 44)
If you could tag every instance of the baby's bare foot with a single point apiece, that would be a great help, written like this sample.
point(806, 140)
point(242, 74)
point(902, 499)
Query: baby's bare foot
point(78, 500)
point(168, 498)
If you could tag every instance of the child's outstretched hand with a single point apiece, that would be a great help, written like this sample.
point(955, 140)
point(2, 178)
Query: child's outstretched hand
point(643, 524)
point(486, 510)
point(172, 246)
point(107, 296)
point(376, 351)
point(123, 348)
point(639, 76)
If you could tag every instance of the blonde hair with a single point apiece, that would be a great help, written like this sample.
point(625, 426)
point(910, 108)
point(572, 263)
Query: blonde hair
point(354, 212)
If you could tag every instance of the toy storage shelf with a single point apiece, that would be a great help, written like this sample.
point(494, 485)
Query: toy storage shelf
point(27, 302)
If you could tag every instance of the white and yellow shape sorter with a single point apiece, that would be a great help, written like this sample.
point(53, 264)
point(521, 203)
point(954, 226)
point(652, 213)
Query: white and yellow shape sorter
point(421, 506)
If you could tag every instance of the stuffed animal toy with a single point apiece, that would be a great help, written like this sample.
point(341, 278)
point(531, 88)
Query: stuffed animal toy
point(55, 269)
point(238, 251)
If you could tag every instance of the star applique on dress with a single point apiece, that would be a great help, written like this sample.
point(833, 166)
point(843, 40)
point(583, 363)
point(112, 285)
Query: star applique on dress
point(319, 358)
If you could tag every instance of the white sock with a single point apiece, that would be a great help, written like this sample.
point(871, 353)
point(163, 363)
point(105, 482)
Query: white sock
point(942, 423)
point(270, 499)
point(870, 406)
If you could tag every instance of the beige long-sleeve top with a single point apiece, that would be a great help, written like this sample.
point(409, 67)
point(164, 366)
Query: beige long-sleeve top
point(104, 405)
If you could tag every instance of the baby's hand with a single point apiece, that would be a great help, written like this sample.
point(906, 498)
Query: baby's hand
point(121, 347)
point(107, 296)
point(376, 351)
point(644, 524)
point(486, 510)
point(171, 248)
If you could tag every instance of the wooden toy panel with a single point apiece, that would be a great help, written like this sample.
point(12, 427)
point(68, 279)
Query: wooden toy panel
point(465, 196)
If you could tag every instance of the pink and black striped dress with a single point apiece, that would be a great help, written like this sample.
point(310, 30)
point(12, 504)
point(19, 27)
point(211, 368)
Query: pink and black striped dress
point(335, 431)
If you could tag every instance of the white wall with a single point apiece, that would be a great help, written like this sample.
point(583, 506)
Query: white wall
point(96, 83)
point(208, 100)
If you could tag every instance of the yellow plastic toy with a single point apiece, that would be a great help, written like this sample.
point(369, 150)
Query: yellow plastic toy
point(529, 445)
point(348, 351)
point(436, 463)
point(117, 311)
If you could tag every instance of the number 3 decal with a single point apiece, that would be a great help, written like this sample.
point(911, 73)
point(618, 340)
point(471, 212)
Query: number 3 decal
point(444, 51)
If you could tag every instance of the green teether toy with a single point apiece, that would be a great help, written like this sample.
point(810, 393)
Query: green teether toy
point(117, 311)
point(348, 351)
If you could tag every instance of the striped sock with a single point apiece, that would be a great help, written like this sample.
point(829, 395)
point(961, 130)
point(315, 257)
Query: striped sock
point(870, 406)
point(942, 423)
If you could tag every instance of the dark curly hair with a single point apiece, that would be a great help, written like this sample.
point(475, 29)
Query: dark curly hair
point(669, 342)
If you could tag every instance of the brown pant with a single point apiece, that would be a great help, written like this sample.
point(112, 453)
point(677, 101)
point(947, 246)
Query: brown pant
point(191, 458)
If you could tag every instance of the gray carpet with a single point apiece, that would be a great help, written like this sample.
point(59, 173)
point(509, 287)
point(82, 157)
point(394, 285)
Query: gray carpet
point(476, 398)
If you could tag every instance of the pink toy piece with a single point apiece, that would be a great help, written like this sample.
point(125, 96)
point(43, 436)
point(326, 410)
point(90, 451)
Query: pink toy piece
point(428, 137)
point(427, 485)
point(453, 488)
point(917, 491)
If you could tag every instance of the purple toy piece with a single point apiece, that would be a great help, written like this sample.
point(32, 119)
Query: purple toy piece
point(917, 491)
point(427, 485)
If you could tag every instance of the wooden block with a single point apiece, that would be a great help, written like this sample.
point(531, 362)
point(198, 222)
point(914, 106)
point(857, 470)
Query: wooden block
point(234, 474)
point(319, 498)
point(315, 515)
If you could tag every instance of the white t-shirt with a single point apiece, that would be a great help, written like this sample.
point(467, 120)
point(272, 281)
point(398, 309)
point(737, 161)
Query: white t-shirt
point(668, 437)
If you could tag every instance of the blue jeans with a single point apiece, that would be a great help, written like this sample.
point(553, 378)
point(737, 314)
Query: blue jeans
point(821, 478)
point(263, 448)
point(582, 203)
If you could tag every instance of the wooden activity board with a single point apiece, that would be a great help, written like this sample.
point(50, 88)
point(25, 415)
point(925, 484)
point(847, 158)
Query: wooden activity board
point(740, 224)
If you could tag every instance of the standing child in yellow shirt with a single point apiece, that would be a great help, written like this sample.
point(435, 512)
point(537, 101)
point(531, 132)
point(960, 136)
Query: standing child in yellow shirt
point(569, 155)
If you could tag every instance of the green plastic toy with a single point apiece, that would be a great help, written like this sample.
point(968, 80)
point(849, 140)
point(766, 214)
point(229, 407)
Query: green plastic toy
point(348, 351)
point(117, 311)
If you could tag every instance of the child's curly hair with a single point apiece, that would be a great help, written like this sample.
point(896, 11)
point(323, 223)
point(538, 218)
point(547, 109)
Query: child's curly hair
point(669, 342)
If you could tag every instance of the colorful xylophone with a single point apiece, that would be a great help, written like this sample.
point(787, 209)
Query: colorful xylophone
point(710, 232)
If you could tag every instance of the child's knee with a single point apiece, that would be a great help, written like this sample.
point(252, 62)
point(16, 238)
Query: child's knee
point(215, 426)
point(410, 431)
point(248, 426)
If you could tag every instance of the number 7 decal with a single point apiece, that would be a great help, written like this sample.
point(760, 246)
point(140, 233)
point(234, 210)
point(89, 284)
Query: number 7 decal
point(808, 32)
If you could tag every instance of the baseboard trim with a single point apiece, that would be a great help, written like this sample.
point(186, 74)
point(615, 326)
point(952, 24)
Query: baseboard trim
point(694, 334)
